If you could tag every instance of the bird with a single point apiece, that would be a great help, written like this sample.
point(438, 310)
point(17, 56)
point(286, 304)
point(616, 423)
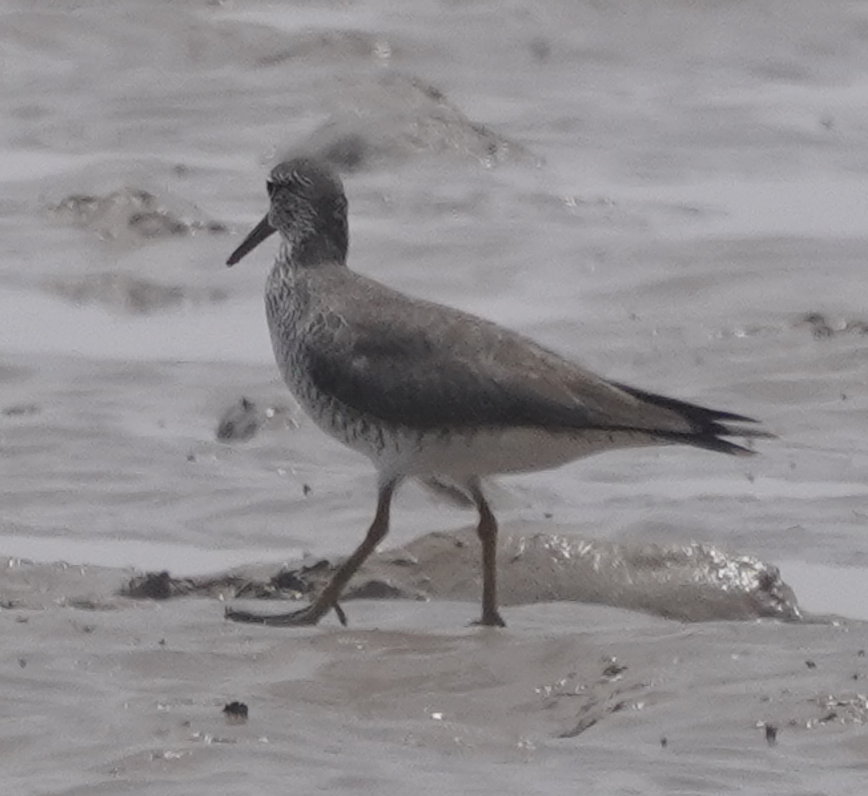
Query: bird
point(428, 391)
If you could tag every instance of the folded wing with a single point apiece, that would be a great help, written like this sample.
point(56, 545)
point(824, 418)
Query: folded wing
point(436, 370)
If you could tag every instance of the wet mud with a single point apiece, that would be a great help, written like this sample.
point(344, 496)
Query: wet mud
point(689, 583)
point(131, 211)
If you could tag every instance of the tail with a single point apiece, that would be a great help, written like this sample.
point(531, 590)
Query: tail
point(709, 425)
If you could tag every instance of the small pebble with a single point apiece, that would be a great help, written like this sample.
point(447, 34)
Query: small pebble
point(235, 712)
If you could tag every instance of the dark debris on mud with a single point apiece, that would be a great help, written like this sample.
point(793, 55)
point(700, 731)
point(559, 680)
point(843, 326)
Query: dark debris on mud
point(584, 702)
point(823, 327)
point(242, 421)
point(131, 210)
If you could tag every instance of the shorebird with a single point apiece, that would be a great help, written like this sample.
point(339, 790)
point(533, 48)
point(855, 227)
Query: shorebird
point(424, 390)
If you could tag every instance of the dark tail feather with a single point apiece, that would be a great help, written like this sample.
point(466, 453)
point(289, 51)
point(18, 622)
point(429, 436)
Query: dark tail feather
point(708, 441)
point(709, 425)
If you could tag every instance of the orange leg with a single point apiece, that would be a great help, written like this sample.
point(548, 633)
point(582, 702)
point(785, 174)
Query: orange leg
point(328, 598)
point(487, 532)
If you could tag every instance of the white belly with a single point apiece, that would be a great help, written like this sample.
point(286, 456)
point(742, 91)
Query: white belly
point(489, 452)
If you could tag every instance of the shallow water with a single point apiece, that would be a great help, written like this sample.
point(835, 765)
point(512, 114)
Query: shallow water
point(674, 188)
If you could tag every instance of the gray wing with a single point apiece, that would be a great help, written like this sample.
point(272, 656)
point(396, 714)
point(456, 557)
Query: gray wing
point(411, 378)
point(437, 367)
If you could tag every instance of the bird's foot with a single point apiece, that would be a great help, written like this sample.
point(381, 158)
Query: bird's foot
point(489, 619)
point(304, 617)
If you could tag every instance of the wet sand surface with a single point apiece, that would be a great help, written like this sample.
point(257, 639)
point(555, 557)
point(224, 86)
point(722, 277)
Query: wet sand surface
point(691, 583)
point(674, 195)
point(131, 697)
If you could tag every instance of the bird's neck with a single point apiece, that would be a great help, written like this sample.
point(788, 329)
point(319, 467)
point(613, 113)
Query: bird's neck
point(317, 248)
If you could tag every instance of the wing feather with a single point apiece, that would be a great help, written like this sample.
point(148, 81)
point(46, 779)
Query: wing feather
point(425, 366)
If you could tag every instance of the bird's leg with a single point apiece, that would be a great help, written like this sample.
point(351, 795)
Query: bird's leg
point(487, 532)
point(328, 597)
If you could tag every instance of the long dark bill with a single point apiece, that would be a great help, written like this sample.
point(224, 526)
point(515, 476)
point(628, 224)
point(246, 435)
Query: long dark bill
point(259, 233)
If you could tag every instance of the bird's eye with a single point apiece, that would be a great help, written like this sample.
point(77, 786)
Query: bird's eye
point(271, 187)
